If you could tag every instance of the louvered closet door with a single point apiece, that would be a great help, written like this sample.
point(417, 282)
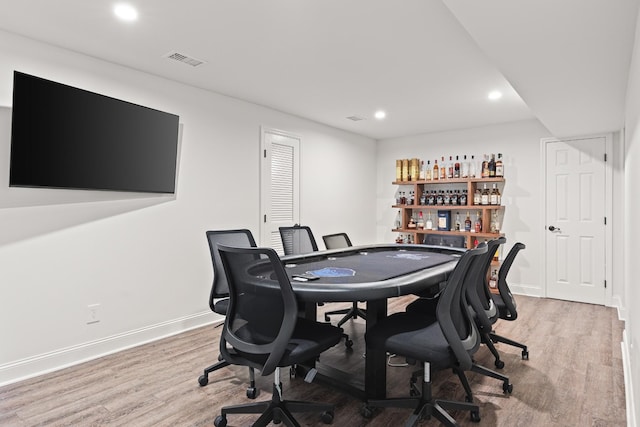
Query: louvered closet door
point(280, 185)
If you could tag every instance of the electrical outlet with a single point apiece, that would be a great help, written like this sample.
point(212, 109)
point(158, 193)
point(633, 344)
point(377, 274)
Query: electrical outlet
point(93, 313)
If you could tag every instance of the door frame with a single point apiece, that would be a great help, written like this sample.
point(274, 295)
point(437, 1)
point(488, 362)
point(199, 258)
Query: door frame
point(608, 210)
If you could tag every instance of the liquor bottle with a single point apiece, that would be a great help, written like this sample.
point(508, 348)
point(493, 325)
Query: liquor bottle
point(467, 223)
point(496, 223)
point(478, 222)
point(472, 167)
point(423, 198)
point(493, 196)
point(456, 168)
point(484, 198)
point(450, 168)
point(492, 166)
point(446, 200)
point(436, 172)
point(455, 198)
point(427, 172)
point(477, 196)
point(411, 199)
point(440, 198)
point(423, 173)
point(429, 224)
point(463, 198)
point(458, 221)
point(493, 281)
point(464, 168)
point(485, 167)
point(443, 169)
point(412, 223)
point(398, 224)
point(499, 166)
point(492, 225)
point(420, 223)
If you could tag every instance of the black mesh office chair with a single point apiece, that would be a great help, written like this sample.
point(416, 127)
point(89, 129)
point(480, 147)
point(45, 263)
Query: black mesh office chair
point(264, 332)
point(339, 241)
point(505, 302)
point(475, 283)
point(219, 296)
point(446, 343)
point(297, 239)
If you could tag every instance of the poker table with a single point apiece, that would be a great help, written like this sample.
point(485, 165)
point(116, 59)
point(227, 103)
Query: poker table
point(372, 274)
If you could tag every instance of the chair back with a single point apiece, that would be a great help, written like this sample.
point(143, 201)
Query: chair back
point(336, 241)
point(220, 288)
point(262, 309)
point(453, 314)
point(297, 239)
point(478, 293)
point(503, 287)
point(444, 240)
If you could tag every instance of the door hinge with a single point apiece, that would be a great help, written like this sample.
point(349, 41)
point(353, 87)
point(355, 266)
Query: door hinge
point(605, 220)
point(605, 284)
point(265, 153)
point(605, 157)
point(265, 218)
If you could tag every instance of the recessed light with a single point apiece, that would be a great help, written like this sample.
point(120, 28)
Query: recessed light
point(126, 12)
point(496, 94)
point(380, 115)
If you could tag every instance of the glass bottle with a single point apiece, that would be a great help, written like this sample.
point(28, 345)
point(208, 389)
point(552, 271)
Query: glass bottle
point(398, 224)
point(456, 168)
point(478, 225)
point(484, 198)
point(436, 172)
point(463, 198)
point(472, 167)
point(464, 171)
point(477, 196)
point(485, 167)
point(420, 223)
point(427, 172)
point(450, 168)
point(458, 221)
point(443, 169)
point(492, 166)
point(455, 198)
point(423, 173)
point(447, 198)
point(499, 166)
point(439, 198)
point(429, 224)
point(467, 223)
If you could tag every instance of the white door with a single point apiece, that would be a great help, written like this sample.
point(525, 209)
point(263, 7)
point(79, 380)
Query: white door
point(280, 185)
point(575, 220)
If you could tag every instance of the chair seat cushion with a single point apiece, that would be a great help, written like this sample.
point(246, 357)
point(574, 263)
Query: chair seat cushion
point(424, 307)
point(308, 340)
point(503, 311)
point(412, 336)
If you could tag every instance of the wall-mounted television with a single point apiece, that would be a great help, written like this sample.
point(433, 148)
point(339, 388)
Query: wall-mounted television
point(66, 137)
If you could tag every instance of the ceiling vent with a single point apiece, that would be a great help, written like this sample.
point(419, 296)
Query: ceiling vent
point(355, 118)
point(180, 57)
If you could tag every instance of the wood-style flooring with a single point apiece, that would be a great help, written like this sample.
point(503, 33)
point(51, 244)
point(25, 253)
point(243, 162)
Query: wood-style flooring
point(574, 377)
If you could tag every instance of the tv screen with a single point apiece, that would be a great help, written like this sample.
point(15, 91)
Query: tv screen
point(65, 137)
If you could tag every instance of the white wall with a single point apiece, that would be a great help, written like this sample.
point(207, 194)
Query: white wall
point(145, 258)
point(631, 345)
point(519, 143)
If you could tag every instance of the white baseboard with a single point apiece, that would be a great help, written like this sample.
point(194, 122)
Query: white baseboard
point(520, 289)
point(628, 384)
point(63, 358)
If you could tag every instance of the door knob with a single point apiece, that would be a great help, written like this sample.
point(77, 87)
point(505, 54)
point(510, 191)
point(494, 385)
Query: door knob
point(554, 229)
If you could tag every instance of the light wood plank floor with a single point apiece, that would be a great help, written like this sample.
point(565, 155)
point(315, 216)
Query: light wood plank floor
point(573, 377)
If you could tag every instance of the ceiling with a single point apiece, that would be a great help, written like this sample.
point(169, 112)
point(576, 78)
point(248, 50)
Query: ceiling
point(428, 63)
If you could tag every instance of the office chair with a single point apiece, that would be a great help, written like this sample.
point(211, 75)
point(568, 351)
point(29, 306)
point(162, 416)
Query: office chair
point(219, 296)
point(297, 239)
point(475, 283)
point(338, 241)
point(264, 332)
point(446, 343)
point(505, 302)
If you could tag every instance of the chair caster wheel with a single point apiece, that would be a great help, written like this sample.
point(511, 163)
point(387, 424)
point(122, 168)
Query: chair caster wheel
point(220, 421)
point(327, 417)
point(507, 388)
point(348, 343)
point(252, 392)
point(367, 411)
point(475, 416)
point(499, 364)
point(525, 354)
point(203, 380)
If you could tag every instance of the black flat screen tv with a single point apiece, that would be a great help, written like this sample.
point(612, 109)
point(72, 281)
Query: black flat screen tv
point(65, 137)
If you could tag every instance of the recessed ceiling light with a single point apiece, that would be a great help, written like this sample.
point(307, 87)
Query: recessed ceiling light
point(496, 94)
point(126, 12)
point(380, 115)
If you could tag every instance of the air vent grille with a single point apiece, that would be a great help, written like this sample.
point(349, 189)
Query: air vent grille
point(180, 57)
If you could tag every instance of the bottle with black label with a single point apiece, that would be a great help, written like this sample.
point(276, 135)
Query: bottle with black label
point(492, 166)
point(467, 223)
